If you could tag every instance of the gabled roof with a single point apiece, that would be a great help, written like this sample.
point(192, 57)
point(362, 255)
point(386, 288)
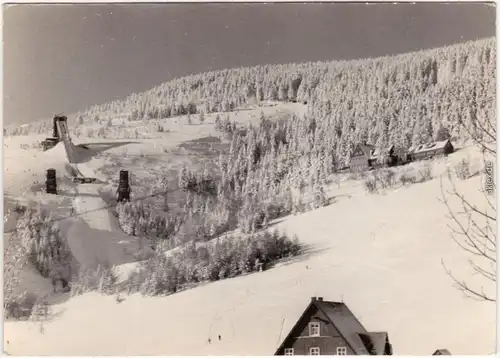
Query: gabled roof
point(430, 146)
point(366, 148)
point(377, 151)
point(346, 323)
point(442, 352)
point(348, 326)
point(372, 151)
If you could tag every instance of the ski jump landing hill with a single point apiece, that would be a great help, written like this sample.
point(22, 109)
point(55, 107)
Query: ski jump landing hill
point(94, 236)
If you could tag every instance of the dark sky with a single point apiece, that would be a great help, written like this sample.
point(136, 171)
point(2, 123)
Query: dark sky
point(63, 58)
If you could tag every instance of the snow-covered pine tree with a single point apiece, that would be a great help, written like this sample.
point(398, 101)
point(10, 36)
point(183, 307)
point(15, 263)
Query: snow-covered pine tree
point(161, 187)
point(442, 133)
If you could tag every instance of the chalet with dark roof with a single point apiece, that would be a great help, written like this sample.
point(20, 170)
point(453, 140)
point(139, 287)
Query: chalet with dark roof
point(366, 156)
point(330, 328)
point(360, 157)
point(430, 150)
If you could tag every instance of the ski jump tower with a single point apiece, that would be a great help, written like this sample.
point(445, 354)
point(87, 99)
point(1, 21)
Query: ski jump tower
point(59, 132)
point(61, 126)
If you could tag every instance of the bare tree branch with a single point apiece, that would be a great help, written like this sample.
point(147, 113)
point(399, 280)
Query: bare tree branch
point(467, 290)
point(490, 132)
point(473, 230)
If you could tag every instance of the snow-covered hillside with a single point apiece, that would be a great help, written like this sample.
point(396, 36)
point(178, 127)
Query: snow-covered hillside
point(381, 254)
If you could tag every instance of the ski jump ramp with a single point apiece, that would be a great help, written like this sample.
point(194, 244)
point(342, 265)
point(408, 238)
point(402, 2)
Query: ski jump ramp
point(72, 154)
point(62, 129)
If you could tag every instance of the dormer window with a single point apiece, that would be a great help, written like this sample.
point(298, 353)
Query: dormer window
point(314, 329)
point(289, 351)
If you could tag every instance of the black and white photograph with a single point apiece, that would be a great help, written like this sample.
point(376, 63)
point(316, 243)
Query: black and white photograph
point(249, 178)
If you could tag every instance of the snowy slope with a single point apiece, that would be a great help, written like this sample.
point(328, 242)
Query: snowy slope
point(381, 254)
point(25, 167)
point(94, 235)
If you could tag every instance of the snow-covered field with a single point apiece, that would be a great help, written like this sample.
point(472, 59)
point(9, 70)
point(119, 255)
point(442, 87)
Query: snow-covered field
point(381, 254)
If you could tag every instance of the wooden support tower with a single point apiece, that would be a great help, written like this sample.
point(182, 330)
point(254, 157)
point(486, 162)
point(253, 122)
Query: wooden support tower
point(123, 186)
point(51, 182)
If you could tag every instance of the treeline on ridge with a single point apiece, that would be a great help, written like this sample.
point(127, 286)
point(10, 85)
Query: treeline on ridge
point(402, 99)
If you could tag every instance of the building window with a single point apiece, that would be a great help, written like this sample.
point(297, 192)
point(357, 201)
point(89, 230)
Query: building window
point(289, 351)
point(314, 329)
point(314, 351)
point(341, 351)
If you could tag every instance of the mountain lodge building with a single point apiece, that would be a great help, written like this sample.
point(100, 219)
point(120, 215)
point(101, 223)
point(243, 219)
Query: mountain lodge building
point(330, 328)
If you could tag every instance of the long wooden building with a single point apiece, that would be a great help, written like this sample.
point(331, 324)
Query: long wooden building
point(431, 150)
